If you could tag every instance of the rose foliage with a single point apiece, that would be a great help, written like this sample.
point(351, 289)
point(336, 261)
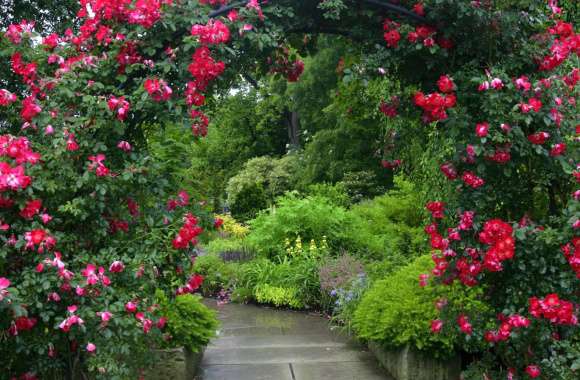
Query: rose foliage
point(90, 229)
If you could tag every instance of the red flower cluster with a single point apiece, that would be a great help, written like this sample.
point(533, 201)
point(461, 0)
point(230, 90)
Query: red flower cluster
point(482, 129)
point(437, 209)
point(391, 35)
point(204, 68)
point(39, 238)
point(192, 285)
point(533, 371)
point(435, 105)
point(558, 311)
point(128, 55)
point(200, 123)
point(472, 180)
point(498, 234)
point(142, 12)
point(572, 253)
point(18, 148)
point(501, 155)
point(539, 138)
point(120, 106)
point(446, 85)
point(157, 89)
point(562, 47)
point(30, 108)
point(31, 208)
point(449, 170)
point(532, 105)
point(558, 149)
point(213, 33)
point(94, 276)
point(187, 233)
point(424, 34)
point(469, 268)
point(505, 329)
point(390, 109)
point(292, 70)
point(181, 201)
point(192, 96)
point(464, 325)
point(391, 164)
point(21, 324)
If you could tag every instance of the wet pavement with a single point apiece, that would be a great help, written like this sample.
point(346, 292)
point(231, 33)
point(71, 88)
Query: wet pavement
point(257, 343)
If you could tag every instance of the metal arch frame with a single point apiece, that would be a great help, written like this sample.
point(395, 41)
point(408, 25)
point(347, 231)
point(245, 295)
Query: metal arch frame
point(385, 5)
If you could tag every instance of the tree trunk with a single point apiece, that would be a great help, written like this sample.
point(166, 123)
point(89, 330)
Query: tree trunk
point(293, 126)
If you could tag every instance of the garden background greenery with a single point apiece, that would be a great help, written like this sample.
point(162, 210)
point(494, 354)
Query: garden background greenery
point(412, 174)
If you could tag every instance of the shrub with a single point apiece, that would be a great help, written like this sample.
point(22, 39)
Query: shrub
point(190, 323)
point(260, 181)
point(361, 185)
point(217, 275)
point(346, 300)
point(339, 272)
point(279, 296)
point(310, 218)
point(336, 194)
point(388, 226)
point(396, 311)
point(231, 227)
point(249, 201)
point(297, 274)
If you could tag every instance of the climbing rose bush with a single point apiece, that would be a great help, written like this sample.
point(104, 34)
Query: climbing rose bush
point(90, 227)
point(523, 139)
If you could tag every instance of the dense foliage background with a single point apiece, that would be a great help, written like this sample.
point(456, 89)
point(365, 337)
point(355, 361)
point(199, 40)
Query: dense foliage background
point(319, 130)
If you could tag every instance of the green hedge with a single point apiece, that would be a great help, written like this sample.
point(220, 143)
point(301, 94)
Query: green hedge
point(396, 311)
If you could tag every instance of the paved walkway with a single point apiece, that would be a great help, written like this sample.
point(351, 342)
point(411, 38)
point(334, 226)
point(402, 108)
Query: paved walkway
point(256, 343)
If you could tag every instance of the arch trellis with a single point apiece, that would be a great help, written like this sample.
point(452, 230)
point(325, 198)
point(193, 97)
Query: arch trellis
point(76, 106)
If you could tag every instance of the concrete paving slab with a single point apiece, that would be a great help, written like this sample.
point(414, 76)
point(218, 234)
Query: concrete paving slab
point(257, 343)
point(239, 342)
point(338, 371)
point(250, 331)
point(247, 372)
point(256, 355)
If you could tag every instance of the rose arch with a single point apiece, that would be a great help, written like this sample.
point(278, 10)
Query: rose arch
point(90, 228)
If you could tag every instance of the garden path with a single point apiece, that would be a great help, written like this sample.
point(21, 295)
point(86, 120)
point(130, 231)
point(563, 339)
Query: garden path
point(258, 343)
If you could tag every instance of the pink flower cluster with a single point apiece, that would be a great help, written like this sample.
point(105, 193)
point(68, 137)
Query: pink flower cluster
point(157, 89)
point(7, 98)
point(213, 33)
point(97, 164)
point(505, 329)
point(119, 106)
point(93, 275)
point(15, 32)
point(572, 253)
point(4, 284)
